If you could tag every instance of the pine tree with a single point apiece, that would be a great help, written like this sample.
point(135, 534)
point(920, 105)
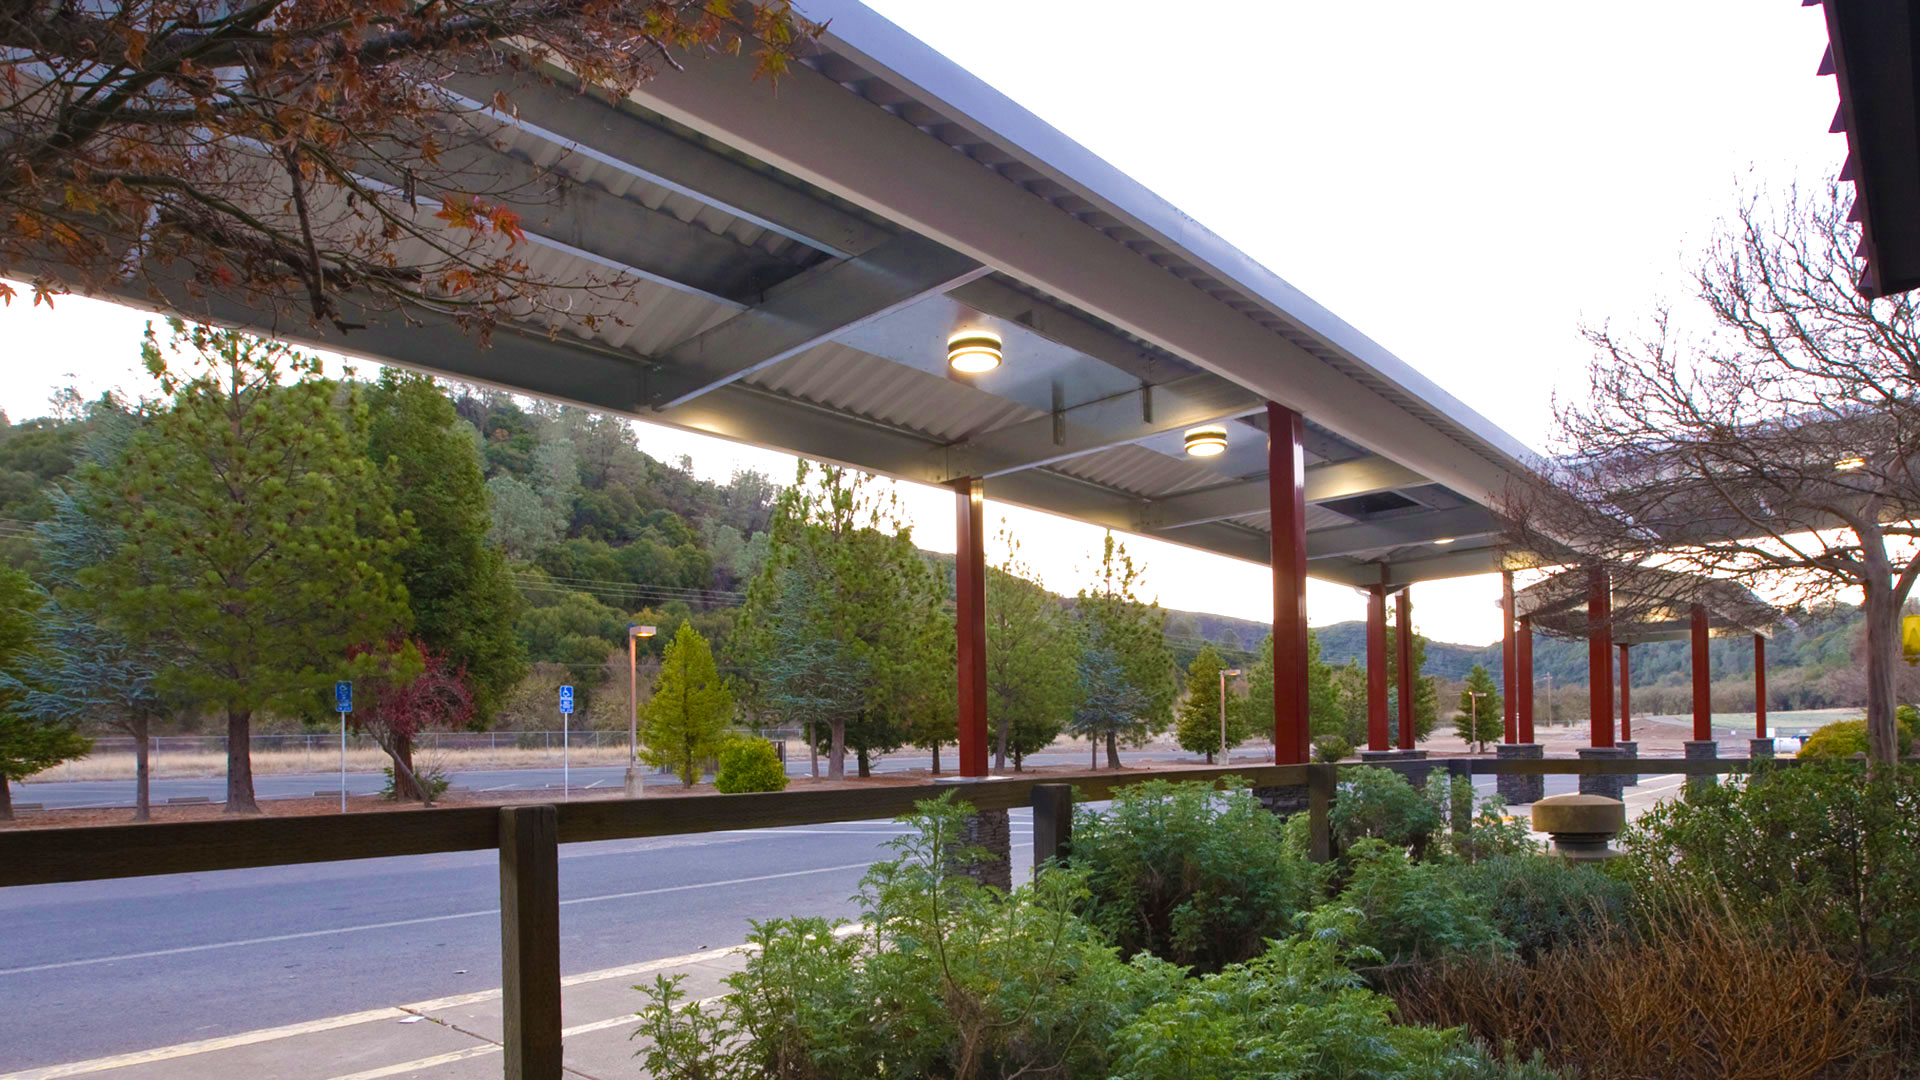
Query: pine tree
point(1479, 720)
point(1033, 679)
point(1110, 703)
point(1325, 715)
point(1426, 688)
point(1133, 633)
point(28, 743)
point(686, 720)
point(1198, 728)
point(257, 542)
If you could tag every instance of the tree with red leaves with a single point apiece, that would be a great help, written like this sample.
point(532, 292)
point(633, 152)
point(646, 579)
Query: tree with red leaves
point(416, 691)
point(317, 160)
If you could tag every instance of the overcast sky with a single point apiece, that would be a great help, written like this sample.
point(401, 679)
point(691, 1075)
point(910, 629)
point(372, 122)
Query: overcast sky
point(1466, 184)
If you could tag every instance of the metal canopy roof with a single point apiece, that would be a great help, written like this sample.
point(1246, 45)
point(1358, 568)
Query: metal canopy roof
point(799, 255)
point(1648, 604)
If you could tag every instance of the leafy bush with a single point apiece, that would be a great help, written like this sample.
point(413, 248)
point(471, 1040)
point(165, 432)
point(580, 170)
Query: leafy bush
point(1408, 911)
point(1379, 804)
point(1191, 874)
point(1694, 995)
point(749, 764)
point(1540, 903)
point(431, 776)
point(1329, 748)
point(1826, 846)
point(1845, 738)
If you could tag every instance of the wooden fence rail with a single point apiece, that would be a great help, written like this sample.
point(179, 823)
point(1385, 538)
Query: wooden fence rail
point(528, 838)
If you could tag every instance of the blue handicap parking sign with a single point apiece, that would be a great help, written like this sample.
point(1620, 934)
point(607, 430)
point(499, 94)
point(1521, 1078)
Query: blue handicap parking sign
point(566, 699)
point(343, 697)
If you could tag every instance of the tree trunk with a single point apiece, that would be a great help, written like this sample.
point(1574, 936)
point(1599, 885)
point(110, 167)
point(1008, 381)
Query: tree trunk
point(240, 762)
point(837, 750)
point(865, 763)
point(1000, 746)
point(1209, 757)
point(1113, 749)
point(406, 786)
point(936, 759)
point(813, 752)
point(1093, 751)
point(142, 774)
point(1883, 640)
point(6, 799)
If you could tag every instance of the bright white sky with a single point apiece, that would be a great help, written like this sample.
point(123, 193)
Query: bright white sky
point(1466, 184)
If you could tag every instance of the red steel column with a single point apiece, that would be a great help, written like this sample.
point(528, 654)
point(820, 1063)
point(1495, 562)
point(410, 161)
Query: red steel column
point(1600, 656)
point(1702, 686)
point(1626, 707)
point(1287, 510)
point(1508, 660)
point(1523, 676)
point(1759, 687)
point(1377, 667)
point(1403, 614)
point(970, 619)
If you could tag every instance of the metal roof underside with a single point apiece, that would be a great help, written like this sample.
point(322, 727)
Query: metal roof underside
point(784, 269)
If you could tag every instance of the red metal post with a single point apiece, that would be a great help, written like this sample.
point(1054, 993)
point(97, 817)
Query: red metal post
point(1702, 686)
point(970, 603)
point(1600, 655)
point(1759, 687)
point(1287, 512)
point(1508, 661)
point(1377, 668)
point(1403, 614)
point(1523, 676)
point(1626, 706)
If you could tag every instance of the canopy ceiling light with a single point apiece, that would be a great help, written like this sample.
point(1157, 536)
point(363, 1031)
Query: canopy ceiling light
point(971, 352)
point(1206, 441)
point(1850, 463)
point(1445, 540)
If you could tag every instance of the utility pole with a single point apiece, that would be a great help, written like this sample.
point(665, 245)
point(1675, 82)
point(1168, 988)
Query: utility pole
point(1224, 672)
point(635, 781)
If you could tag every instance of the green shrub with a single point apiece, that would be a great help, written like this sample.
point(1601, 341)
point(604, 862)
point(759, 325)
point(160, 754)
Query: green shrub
point(1829, 847)
point(1329, 748)
point(749, 764)
point(1539, 903)
point(1379, 804)
point(1411, 911)
point(1845, 738)
point(1191, 874)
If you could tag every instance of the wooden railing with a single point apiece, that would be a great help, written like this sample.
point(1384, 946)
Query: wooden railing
point(528, 838)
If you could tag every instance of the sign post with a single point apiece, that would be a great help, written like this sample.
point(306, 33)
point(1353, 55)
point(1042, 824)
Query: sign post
point(343, 703)
point(566, 743)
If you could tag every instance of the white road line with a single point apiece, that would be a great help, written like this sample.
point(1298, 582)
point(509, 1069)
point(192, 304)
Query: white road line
point(305, 934)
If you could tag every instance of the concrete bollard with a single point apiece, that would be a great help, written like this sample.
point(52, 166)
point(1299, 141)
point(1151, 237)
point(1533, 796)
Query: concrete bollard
point(1581, 825)
point(1611, 785)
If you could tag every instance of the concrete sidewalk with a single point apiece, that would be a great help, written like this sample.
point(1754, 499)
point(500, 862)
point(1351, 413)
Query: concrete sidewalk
point(453, 1038)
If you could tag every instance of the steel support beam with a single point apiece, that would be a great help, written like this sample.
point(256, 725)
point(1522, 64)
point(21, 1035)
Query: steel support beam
point(1523, 648)
point(825, 302)
point(1702, 676)
point(1600, 656)
point(1466, 522)
point(1759, 686)
point(1626, 695)
point(1287, 480)
point(1403, 643)
point(1377, 738)
point(1358, 574)
point(970, 621)
point(1510, 728)
point(1325, 483)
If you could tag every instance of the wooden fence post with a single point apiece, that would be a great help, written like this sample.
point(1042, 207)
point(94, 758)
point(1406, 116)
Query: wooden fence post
point(530, 941)
point(1320, 783)
point(1052, 822)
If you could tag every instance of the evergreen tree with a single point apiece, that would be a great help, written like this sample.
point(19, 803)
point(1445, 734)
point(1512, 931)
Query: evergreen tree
point(1350, 693)
point(809, 680)
point(1325, 715)
point(686, 720)
point(28, 743)
point(1033, 678)
point(457, 587)
point(258, 542)
point(1133, 633)
point(1426, 688)
point(1479, 720)
point(1110, 703)
point(1199, 724)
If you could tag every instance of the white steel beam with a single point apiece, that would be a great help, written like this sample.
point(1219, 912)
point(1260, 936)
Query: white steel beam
point(1325, 483)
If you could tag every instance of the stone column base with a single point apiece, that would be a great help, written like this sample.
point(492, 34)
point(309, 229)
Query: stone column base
point(1630, 748)
point(1759, 748)
point(1520, 790)
point(1285, 801)
point(1702, 750)
point(1610, 786)
point(989, 829)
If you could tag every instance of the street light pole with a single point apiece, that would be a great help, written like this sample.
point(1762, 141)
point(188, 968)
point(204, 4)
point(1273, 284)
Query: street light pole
point(1224, 672)
point(634, 780)
point(1473, 715)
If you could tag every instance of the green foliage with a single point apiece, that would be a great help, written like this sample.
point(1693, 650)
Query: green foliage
point(1033, 659)
point(463, 604)
point(1540, 903)
point(1825, 845)
point(1128, 636)
point(749, 764)
point(1201, 720)
point(1411, 911)
point(1845, 738)
point(571, 628)
point(1193, 875)
point(432, 780)
point(28, 742)
point(1380, 804)
point(1329, 748)
point(1479, 719)
point(1426, 688)
point(686, 720)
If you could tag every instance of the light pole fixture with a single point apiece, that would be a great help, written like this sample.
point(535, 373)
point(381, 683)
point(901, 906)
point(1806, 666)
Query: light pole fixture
point(1209, 441)
point(635, 632)
point(972, 352)
point(1224, 672)
point(1473, 715)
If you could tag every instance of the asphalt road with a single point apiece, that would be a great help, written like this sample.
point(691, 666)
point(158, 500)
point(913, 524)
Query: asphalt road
point(95, 968)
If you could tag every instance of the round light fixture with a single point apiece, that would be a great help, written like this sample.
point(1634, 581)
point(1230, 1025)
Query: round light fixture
point(971, 352)
point(1444, 540)
point(1206, 441)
